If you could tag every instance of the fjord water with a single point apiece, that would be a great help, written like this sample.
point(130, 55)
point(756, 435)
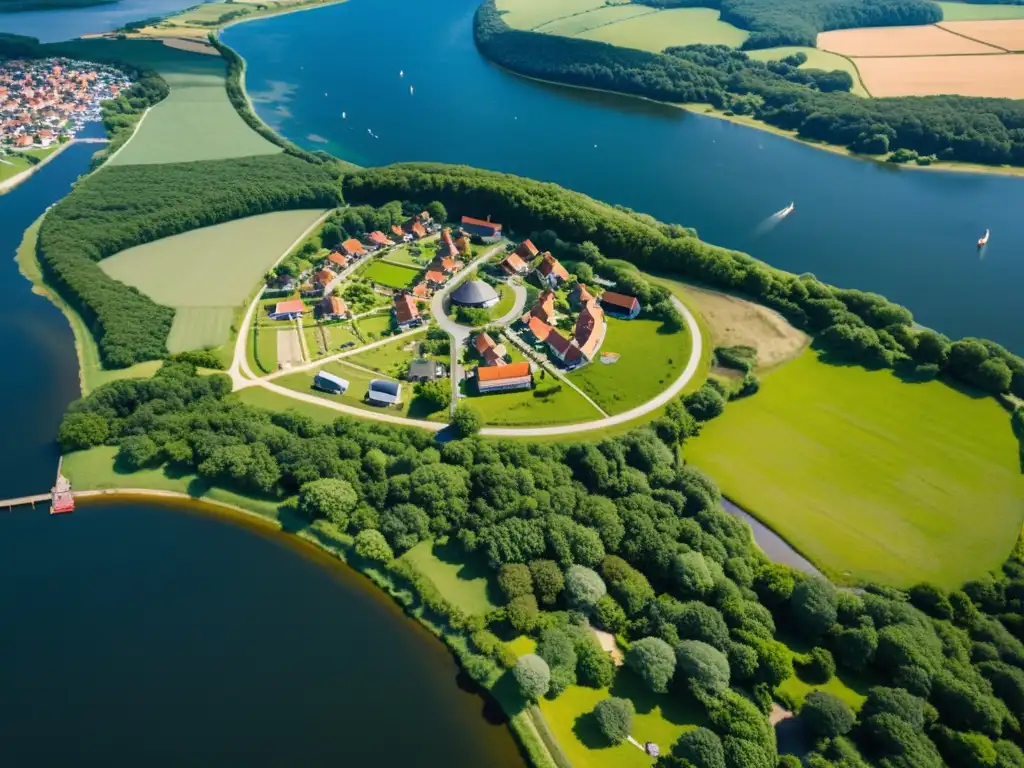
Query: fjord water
point(55, 25)
point(138, 634)
point(908, 234)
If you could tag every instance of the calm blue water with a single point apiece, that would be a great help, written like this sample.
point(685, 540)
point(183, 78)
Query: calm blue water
point(909, 235)
point(53, 26)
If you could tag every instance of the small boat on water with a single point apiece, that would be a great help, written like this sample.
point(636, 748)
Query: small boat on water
point(342, 115)
point(786, 211)
point(983, 240)
point(410, 90)
point(401, 73)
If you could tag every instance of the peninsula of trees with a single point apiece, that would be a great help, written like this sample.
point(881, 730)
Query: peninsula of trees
point(815, 104)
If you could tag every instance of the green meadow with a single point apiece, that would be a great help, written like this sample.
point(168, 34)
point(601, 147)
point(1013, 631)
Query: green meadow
point(816, 59)
point(649, 361)
point(980, 12)
point(207, 273)
point(392, 275)
point(387, 358)
point(661, 30)
point(468, 584)
point(872, 478)
point(529, 14)
point(195, 122)
point(604, 16)
point(359, 384)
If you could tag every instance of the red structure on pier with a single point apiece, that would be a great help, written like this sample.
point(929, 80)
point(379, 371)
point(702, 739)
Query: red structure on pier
point(63, 500)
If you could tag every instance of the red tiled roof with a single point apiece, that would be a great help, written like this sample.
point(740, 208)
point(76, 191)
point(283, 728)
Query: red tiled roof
point(544, 307)
point(526, 250)
point(338, 258)
point(500, 372)
point(397, 230)
point(352, 246)
point(480, 223)
point(549, 264)
point(418, 229)
point(446, 237)
point(405, 308)
point(435, 277)
point(332, 305)
point(582, 294)
point(323, 277)
point(483, 342)
point(379, 238)
point(420, 290)
point(619, 300)
point(588, 328)
point(512, 263)
point(289, 307)
point(539, 328)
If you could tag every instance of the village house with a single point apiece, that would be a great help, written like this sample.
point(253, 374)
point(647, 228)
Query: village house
point(487, 230)
point(415, 229)
point(407, 314)
point(543, 309)
point(329, 383)
point(322, 281)
point(421, 290)
point(503, 378)
point(379, 240)
point(447, 246)
point(526, 251)
point(514, 265)
point(426, 370)
point(383, 392)
point(490, 352)
point(279, 285)
point(588, 333)
point(337, 261)
point(332, 308)
point(463, 246)
point(445, 264)
point(288, 310)
point(618, 305)
point(435, 279)
point(352, 248)
point(550, 271)
point(579, 296)
point(401, 234)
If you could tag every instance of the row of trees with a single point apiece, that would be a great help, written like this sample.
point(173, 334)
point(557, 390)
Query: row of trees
point(812, 102)
point(621, 535)
point(130, 205)
point(798, 22)
point(858, 326)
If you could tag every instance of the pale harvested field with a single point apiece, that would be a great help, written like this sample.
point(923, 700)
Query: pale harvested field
point(996, 76)
point(735, 321)
point(898, 41)
point(1008, 34)
point(289, 348)
point(195, 46)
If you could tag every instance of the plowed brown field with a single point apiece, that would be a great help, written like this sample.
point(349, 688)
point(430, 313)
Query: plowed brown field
point(1008, 34)
point(998, 76)
point(900, 41)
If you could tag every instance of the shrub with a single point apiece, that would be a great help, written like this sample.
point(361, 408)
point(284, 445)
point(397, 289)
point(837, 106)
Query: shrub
point(654, 661)
point(814, 606)
point(705, 404)
point(532, 675)
point(614, 718)
point(515, 580)
point(818, 666)
point(706, 668)
point(594, 667)
point(465, 421)
point(825, 715)
point(609, 615)
point(700, 747)
point(855, 648)
point(556, 648)
point(79, 431)
point(523, 613)
point(692, 574)
point(583, 587)
point(330, 498)
point(548, 581)
point(372, 545)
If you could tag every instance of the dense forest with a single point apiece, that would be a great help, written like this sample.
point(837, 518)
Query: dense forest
point(813, 103)
point(622, 535)
point(798, 22)
point(124, 206)
point(857, 326)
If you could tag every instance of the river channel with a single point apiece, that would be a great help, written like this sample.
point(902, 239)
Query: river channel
point(908, 234)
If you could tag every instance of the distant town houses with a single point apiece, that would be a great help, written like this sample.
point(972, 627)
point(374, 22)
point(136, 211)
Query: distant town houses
point(44, 101)
point(352, 248)
point(487, 230)
point(543, 309)
point(378, 239)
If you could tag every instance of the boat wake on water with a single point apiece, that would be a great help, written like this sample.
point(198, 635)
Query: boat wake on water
point(772, 221)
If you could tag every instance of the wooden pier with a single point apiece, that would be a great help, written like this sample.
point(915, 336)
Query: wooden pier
point(61, 497)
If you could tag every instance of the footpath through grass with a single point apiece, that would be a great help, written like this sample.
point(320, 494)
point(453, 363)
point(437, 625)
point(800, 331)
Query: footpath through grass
point(870, 477)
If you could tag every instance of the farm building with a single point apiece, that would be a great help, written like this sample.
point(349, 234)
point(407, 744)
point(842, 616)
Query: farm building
point(504, 378)
point(513, 265)
point(332, 308)
point(322, 281)
point(579, 296)
point(328, 382)
point(487, 231)
point(617, 305)
point(551, 272)
point(414, 228)
point(587, 336)
point(491, 352)
point(379, 240)
point(445, 264)
point(538, 329)
point(288, 310)
point(407, 314)
point(543, 309)
point(383, 392)
point(426, 370)
point(475, 293)
point(401, 234)
point(352, 247)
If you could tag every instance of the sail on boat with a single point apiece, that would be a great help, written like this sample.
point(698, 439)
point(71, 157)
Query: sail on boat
point(983, 240)
point(342, 115)
point(786, 211)
point(401, 73)
point(410, 90)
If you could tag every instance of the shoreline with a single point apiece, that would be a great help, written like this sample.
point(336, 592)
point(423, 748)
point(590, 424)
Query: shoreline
point(706, 110)
point(8, 184)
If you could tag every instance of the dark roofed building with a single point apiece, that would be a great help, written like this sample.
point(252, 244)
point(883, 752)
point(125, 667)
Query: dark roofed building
point(475, 293)
point(425, 370)
point(384, 392)
point(618, 305)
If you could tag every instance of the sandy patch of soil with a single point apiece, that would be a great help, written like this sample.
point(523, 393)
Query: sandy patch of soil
point(194, 46)
point(778, 714)
point(734, 321)
point(995, 76)
point(1008, 33)
point(289, 348)
point(899, 41)
point(609, 645)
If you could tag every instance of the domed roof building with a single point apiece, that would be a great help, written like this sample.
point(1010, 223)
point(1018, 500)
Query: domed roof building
point(475, 293)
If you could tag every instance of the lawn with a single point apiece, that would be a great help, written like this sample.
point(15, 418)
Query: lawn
point(649, 362)
point(871, 478)
point(528, 14)
point(392, 275)
point(373, 327)
point(359, 385)
point(402, 254)
point(13, 164)
point(579, 24)
point(979, 12)
point(816, 59)
point(387, 358)
point(465, 583)
point(209, 271)
point(195, 122)
point(525, 408)
point(265, 398)
point(844, 685)
point(675, 26)
point(263, 349)
point(506, 300)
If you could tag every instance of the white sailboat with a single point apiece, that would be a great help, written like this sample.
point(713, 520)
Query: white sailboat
point(410, 90)
point(983, 240)
point(401, 73)
point(786, 211)
point(342, 115)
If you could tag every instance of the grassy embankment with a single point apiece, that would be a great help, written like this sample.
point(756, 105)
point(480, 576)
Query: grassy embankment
point(872, 478)
point(18, 162)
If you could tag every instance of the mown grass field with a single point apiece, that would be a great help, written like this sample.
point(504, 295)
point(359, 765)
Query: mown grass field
point(208, 272)
point(392, 275)
point(387, 357)
point(467, 584)
point(374, 325)
point(526, 409)
point(675, 26)
point(816, 59)
point(195, 122)
point(506, 300)
point(649, 362)
point(13, 164)
point(578, 24)
point(529, 14)
point(872, 478)
point(359, 385)
point(979, 12)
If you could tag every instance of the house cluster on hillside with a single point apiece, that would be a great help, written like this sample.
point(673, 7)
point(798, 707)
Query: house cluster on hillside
point(542, 268)
point(415, 227)
point(48, 100)
point(446, 263)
